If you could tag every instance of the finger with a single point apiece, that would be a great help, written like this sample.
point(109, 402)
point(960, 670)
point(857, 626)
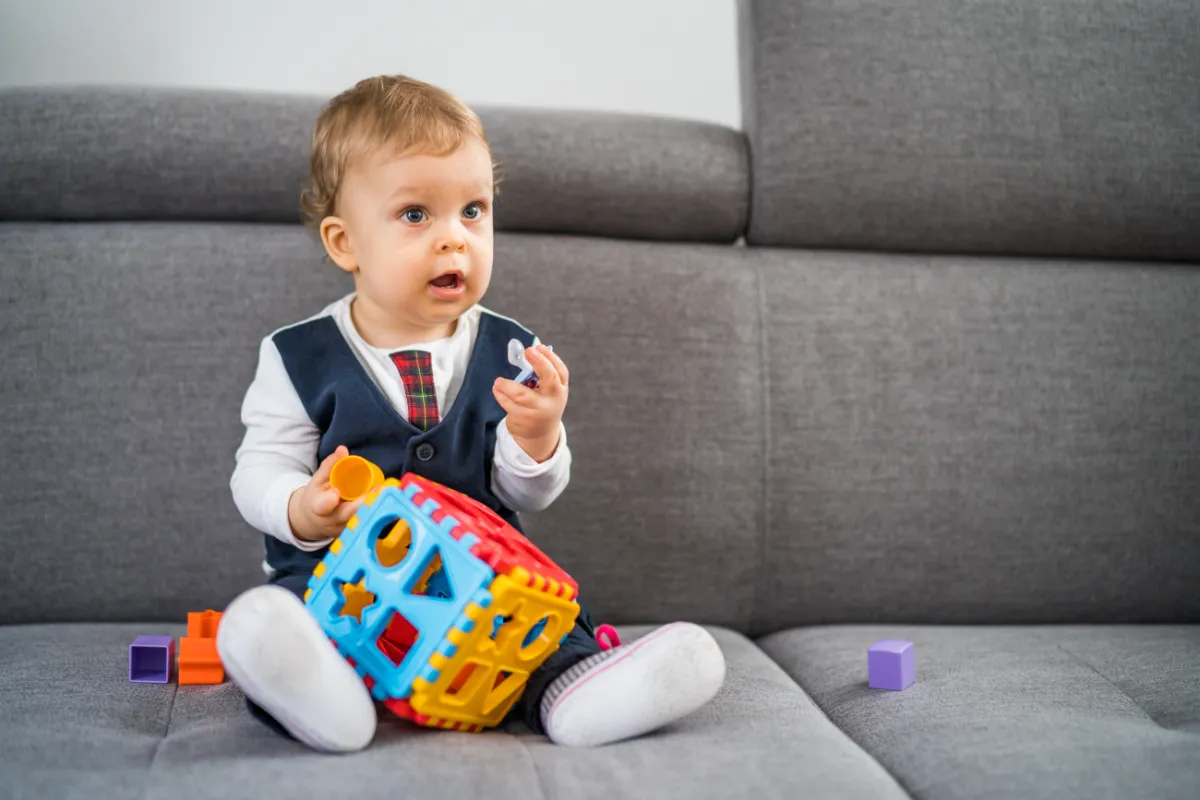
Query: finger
point(564, 376)
point(515, 392)
point(325, 502)
point(322, 474)
point(542, 366)
point(346, 510)
point(506, 402)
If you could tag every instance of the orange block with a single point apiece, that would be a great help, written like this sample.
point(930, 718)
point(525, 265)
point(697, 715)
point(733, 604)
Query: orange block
point(203, 624)
point(199, 662)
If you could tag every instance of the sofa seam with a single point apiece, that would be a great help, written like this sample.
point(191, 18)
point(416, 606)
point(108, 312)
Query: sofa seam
point(537, 773)
point(745, 19)
point(757, 642)
point(162, 740)
point(1078, 658)
point(764, 445)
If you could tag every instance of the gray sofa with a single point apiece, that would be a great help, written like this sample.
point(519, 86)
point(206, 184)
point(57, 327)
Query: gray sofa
point(916, 356)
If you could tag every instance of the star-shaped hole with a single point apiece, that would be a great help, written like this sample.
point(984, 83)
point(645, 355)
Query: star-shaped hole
point(357, 599)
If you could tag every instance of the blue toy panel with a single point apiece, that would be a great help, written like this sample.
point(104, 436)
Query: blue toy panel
point(463, 576)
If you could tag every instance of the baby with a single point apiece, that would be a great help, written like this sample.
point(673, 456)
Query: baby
point(410, 372)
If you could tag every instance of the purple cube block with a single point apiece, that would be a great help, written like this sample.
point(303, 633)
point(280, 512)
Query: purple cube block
point(891, 664)
point(150, 659)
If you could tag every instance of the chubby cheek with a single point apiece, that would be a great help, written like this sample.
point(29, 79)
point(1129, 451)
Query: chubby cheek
point(482, 271)
point(481, 258)
point(405, 269)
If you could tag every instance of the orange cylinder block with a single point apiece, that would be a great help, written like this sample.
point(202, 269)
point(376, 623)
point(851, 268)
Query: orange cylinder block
point(355, 476)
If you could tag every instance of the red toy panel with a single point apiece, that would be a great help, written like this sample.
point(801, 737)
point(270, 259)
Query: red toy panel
point(402, 709)
point(501, 546)
point(464, 508)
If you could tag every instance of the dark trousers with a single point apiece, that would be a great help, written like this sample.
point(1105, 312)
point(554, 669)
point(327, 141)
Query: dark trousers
point(579, 644)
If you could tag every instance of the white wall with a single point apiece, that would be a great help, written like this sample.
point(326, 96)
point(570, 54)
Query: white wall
point(620, 55)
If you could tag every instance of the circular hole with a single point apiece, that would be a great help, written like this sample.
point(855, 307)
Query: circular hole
point(535, 632)
point(536, 641)
point(392, 543)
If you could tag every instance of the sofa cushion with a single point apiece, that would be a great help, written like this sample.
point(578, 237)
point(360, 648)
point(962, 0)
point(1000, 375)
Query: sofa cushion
point(1019, 127)
point(75, 727)
point(142, 153)
point(979, 440)
point(130, 346)
point(1032, 712)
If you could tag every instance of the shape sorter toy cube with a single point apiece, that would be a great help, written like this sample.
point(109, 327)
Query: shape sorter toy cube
point(891, 664)
point(442, 607)
point(150, 659)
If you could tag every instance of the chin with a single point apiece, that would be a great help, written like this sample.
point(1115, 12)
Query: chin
point(451, 311)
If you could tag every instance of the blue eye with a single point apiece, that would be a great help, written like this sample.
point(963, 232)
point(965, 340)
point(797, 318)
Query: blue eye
point(473, 211)
point(413, 215)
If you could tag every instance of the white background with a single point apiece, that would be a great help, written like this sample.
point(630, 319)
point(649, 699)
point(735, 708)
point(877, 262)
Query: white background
point(614, 55)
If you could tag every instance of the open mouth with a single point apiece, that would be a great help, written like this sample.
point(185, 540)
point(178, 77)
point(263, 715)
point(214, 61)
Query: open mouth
point(447, 280)
point(448, 284)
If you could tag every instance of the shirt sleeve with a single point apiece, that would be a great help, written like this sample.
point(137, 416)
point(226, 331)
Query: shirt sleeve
point(278, 453)
point(520, 482)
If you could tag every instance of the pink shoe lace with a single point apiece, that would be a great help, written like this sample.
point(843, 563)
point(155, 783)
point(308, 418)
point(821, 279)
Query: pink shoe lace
point(607, 638)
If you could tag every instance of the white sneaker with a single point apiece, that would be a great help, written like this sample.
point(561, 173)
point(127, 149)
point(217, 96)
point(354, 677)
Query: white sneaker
point(274, 649)
point(635, 688)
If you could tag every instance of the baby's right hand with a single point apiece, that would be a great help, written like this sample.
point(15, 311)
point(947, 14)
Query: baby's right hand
point(316, 511)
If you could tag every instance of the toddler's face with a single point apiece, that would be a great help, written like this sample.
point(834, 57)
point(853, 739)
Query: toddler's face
point(421, 231)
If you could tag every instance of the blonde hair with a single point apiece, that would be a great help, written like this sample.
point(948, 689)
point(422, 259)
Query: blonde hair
point(387, 111)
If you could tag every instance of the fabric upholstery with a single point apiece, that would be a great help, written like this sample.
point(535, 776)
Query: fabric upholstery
point(76, 728)
point(958, 440)
point(176, 154)
point(1016, 127)
point(128, 349)
point(1055, 712)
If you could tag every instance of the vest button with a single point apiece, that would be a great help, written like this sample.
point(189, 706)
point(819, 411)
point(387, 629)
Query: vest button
point(425, 451)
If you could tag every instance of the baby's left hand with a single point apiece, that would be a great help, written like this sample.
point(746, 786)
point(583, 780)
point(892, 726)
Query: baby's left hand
point(534, 415)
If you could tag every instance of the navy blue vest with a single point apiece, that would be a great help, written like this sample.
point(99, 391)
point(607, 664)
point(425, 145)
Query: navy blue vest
point(349, 409)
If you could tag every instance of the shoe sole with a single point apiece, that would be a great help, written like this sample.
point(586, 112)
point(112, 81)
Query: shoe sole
point(683, 670)
point(293, 671)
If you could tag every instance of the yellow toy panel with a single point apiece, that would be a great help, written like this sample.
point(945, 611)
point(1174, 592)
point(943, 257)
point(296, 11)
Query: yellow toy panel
point(491, 663)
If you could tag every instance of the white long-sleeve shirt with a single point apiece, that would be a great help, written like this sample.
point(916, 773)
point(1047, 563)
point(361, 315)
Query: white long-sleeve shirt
point(279, 451)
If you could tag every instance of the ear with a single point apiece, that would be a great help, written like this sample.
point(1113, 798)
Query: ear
point(336, 238)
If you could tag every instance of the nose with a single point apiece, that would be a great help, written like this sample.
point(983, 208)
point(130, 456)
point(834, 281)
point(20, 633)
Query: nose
point(451, 239)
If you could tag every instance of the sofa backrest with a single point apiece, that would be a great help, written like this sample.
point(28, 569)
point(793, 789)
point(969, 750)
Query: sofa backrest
point(1013, 127)
point(967, 432)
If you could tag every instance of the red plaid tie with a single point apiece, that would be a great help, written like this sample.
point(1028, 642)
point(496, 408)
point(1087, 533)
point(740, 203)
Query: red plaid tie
point(416, 370)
